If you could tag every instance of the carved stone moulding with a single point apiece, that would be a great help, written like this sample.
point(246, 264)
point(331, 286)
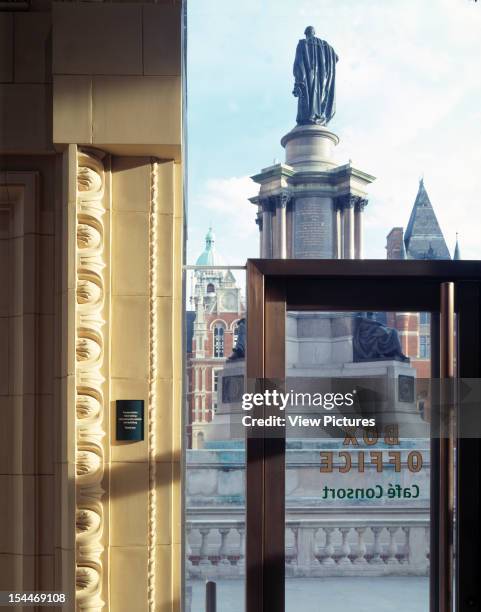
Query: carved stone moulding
point(89, 404)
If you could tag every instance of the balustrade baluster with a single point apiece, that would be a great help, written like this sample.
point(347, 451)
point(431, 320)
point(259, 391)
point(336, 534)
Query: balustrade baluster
point(377, 559)
point(427, 536)
point(405, 554)
point(361, 547)
point(241, 562)
point(204, 561)
point(329, 548)
point(345, 547)
point(295, 548)
point(224, 564)
point(392, 549)
point(316, 546)
point(188, 551)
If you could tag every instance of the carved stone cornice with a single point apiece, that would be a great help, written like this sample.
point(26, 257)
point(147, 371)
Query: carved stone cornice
point(90, 406)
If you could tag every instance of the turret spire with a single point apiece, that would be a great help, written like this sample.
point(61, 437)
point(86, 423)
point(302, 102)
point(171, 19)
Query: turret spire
point(457, 250)
point(423, 238)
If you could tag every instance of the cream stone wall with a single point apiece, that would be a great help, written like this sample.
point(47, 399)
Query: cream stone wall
point(27, 433)
point(91, 136)
point(146, 290)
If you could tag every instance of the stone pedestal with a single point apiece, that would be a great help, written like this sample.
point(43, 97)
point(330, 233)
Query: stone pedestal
point(311, 206)
point(319, 346)
point(225, 424)
point(310, 147)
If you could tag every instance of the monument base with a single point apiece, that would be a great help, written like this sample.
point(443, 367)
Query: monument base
point(230, 387)
point(310, 147)
point(311, 206)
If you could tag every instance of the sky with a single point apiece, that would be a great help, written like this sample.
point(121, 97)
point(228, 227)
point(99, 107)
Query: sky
point(408, 106)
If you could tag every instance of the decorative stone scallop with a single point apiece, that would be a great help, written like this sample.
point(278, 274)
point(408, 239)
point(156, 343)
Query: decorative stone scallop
point(88, 179)
point(87, 523)
point(88, 349)
point(88, 237)
point(88, 406)
point(88, 465)
point(87, 580)
point(88, 291)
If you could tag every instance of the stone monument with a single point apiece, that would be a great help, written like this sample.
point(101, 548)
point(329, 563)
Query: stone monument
point(311, 206)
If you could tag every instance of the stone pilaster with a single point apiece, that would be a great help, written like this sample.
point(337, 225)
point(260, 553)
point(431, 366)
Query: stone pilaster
point(346, 203)
point(350, 228)
point(279, 204)
point(338, 234)
point(359, 207)
point(267, 238)
point(260, 224)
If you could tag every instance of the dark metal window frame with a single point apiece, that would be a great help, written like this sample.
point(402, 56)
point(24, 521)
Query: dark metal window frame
point(439, 287)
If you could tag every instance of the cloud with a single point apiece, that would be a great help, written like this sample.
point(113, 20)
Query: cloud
point(408, 92)
point(224, 205)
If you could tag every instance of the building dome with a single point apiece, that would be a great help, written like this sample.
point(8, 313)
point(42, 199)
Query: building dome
point(209, 257)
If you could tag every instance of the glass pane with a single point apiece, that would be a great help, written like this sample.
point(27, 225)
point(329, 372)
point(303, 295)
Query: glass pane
point(358, 465)
point(215, 456)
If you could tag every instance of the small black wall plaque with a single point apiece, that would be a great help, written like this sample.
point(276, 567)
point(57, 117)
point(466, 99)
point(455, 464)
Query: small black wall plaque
point(130, 420)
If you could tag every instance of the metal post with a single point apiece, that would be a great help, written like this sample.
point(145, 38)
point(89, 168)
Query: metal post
point(446, 451)
point(210, 596)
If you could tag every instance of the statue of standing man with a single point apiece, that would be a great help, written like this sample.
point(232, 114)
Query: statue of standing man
point(315, 80)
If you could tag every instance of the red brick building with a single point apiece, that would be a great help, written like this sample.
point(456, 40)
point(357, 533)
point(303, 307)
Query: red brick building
point(211, 336)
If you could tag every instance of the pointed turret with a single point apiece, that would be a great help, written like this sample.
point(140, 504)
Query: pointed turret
point(457, 250)
point(208, 256)
point(423, 238)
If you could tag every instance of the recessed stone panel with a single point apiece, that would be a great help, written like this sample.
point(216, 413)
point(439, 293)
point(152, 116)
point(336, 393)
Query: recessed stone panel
point(313, 228)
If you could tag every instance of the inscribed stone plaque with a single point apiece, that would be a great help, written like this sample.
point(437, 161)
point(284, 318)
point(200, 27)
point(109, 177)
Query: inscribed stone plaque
point(312, 236)
point(406, 388)
point(232, 389)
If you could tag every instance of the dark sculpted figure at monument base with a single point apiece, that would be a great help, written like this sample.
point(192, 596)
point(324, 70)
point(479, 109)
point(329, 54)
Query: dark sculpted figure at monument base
point(239, 350)
point(373, 340)
point(315, 80)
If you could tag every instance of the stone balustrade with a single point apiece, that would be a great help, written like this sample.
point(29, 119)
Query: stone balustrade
point(327, 546)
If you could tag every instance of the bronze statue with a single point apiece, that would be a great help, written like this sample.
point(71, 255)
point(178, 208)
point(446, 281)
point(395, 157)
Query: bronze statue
point(315, 80)
point(239, 350)
point(372, 340)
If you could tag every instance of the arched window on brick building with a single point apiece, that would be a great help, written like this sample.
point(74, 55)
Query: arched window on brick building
point(219, 340)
